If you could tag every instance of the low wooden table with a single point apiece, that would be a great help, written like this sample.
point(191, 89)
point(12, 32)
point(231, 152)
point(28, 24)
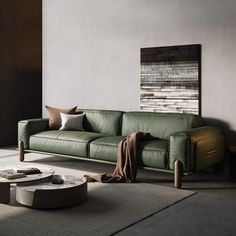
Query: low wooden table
point(5, 184)
point(49, 195)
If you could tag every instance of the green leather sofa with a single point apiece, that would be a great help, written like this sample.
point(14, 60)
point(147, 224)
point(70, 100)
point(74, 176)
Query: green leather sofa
point(182, 145)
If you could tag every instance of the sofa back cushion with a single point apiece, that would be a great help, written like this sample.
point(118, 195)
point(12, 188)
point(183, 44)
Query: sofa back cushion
point(102, 121)
point(160, 125)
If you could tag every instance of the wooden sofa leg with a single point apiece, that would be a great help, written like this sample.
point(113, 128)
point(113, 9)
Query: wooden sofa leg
point(21, 151)
point(178, 174)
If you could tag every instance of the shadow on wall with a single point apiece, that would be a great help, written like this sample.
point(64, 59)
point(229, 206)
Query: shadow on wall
point(230, 135)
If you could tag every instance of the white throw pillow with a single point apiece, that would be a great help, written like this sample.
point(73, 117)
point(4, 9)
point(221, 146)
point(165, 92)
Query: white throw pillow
point(71, 122)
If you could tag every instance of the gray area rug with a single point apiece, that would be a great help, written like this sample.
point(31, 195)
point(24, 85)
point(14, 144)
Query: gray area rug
point(108, 209)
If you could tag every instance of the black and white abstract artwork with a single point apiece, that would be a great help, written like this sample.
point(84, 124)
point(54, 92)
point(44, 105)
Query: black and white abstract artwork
point(171, 79)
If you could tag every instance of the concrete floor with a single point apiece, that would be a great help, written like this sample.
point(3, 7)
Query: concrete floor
point(211, 211)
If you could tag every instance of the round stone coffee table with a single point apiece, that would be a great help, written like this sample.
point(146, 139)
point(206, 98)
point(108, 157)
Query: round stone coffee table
point(6, 183)
point(49, 195)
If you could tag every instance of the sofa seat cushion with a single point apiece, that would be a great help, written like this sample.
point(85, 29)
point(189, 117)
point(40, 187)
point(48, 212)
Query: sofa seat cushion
point(73, 143)
point(105, 148)
point(152, 153)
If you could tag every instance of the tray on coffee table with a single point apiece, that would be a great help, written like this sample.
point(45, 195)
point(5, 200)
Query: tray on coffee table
point(5, 184)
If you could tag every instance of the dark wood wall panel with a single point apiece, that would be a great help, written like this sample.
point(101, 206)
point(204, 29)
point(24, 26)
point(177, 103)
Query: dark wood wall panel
point(20, 65)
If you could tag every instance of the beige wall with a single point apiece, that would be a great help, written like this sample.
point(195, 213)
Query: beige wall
point(91, 51)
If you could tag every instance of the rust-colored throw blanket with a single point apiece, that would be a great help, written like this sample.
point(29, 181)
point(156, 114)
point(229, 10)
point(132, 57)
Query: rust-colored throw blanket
point(126, 166)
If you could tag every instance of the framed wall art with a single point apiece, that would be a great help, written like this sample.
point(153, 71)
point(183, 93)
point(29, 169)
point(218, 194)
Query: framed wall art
point(171, 79)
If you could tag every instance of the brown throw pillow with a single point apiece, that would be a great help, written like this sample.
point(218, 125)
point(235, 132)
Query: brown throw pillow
point(54, 116)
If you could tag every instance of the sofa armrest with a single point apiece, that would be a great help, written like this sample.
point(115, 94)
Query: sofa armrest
point(196, 148)
point(29, 127)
